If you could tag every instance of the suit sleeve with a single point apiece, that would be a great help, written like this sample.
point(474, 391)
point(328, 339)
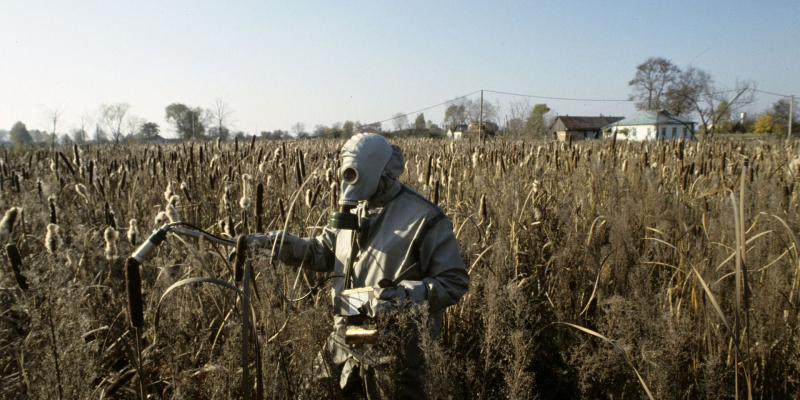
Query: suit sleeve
point(316, 253)
point(445, 278)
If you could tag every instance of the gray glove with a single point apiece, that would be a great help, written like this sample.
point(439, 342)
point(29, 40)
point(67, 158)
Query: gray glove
point(268, 241)
point(386, 300)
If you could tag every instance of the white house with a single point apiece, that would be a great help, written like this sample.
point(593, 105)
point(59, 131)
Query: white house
point(651, 125)
point(456, 132)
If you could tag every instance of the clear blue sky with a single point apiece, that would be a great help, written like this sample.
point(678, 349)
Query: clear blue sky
point(278, 63)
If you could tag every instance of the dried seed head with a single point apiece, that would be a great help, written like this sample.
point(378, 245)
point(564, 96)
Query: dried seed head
point(82, 192)
point(482, 208)
point(174, 200)
point(52, 241)
point(53, 165)
point(53, 211)
point(133, 231)
point(263, 167)
point(169, 192)
point(172, 213)
point(15, 263)
point(111, 236)
point(161, 218)
point(133, 287)
point(7, 223)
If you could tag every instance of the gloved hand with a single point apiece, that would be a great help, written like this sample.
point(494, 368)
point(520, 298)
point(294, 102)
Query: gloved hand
point(266, 241)
point(386, 300)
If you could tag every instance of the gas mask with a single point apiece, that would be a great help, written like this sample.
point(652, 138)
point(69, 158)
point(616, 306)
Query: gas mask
point(364, 158)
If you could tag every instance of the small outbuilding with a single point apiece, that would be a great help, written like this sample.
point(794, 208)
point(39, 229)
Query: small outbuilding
point(579, 128)
point(651, 125)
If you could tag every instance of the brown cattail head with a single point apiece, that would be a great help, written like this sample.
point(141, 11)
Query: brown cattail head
point(52, 239)
point(483, 207)
point(111, 236)
point(15, 263)
point(53, 211)
point(259, 205)
point(7, 223)
point(111, 219)
point(133, 285)
point(133, 231)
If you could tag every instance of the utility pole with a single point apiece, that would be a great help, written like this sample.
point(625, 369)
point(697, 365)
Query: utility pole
point(791, 111)
point(480, 123)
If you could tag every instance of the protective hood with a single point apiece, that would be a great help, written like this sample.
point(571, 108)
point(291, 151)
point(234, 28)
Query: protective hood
point(364, 158)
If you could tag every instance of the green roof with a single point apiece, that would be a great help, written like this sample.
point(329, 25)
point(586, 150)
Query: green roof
point(651, 117)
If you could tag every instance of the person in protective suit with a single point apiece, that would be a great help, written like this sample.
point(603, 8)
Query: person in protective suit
point(404, 247)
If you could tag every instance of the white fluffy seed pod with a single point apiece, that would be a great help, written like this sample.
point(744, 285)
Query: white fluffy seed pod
point(262, 167)
point(169, 192)
point(175, 200)
point(7, 223)
point(111, 236)
point(53, 165)
point(133, 231)
point(82, 192)
point(161, 218)
point(245, 202)
point(52, 241)
point(172, 213)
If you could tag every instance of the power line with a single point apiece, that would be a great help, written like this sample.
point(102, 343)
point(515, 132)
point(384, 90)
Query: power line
point(425, 109)
point(774, 94)
point(557, 98)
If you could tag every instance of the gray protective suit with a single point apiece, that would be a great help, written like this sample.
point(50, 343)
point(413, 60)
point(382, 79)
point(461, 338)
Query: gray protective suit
point(401, 233)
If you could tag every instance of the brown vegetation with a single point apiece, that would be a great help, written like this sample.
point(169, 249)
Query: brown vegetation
point(598, 270)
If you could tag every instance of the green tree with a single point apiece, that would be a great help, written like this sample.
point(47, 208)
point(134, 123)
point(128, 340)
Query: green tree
point(780, 114)
point(764, 123)
point(149, 130)
point(19, 134)
point(537, 120)
point(347, 128)
point(419, 122)
point(189, 123)
point(454, 115)
point(723, 118)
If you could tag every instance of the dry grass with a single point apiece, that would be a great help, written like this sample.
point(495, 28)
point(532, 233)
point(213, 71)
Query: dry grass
point(598, 270)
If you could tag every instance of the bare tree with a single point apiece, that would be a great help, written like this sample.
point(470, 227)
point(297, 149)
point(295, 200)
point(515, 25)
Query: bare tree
point(299, 129)
point(113, 116)
point(222, 115)
point(400, 122)
point(694, 91)
point(651, 82)
point(52, 116)
point(518, 111)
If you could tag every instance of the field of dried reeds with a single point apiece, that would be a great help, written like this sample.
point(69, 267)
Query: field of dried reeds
point(598, 270)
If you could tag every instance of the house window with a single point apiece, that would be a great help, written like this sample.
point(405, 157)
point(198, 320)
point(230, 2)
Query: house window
point(664, 133)
point(649, 132)
point(674, 131)
point(685, 131)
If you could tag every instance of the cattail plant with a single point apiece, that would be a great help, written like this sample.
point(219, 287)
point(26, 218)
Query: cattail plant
point(259, 206)
point(185, 190)
point(111, 236)
point(52, 241)
point(15, 263)
point(169, 192)
point(246, 201)
point(172, 213)
point(161, 218)
point(53, 211)
point(81, 189)
point(7, 223)
point(133, 232)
